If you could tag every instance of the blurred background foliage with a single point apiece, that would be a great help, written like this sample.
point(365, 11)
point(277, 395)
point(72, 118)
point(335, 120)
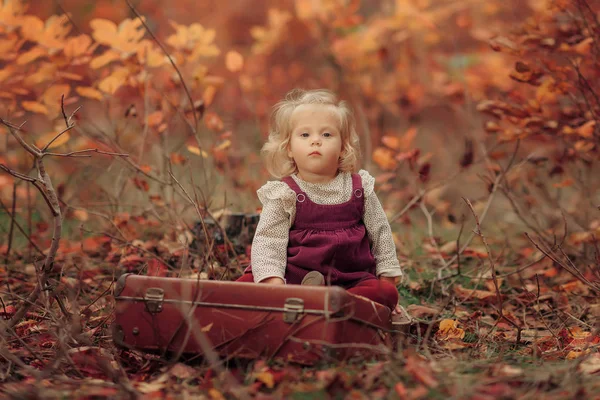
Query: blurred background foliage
point(423, 77)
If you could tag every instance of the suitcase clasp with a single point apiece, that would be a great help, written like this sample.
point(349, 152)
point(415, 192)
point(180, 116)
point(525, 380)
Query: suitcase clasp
point(292, 307)
point(154, 299)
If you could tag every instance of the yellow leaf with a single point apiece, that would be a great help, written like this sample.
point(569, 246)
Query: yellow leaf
point(32, 27)
point(125, 38)
point(44, 71)
point(586, 130)
point(45, 139)
point(208, 95)
point(89, 92)
point(408, 138)
point(105, 31)
point(105, 59)
point(52, 96)
point(384, 158)
point(110, 84)
point(81, 215)
point(71, 76)
point(196, 150)
point(234, 61)
point(573, 354)
point(224, 145)
point(77, 46)
point(215, 394)
point(207, 328)
point(5, 73)
point(449, 330)
point(155, 118)
point(31, 55)
point(584, 47)
point(9, 44)
point(35, 107)
point(393, 142)
point(149, 55)
point(583, 146)
point(267, 378)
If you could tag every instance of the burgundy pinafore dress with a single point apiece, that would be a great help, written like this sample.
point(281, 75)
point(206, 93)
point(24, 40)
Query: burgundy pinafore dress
point(331, 239)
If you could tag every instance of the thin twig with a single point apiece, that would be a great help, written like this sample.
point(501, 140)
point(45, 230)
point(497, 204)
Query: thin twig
point(12, 223)
point(185, 88)
point(479, 233)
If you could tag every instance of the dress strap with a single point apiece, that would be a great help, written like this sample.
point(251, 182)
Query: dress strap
point(292, 184)
point(300, 195)
point(357, 188)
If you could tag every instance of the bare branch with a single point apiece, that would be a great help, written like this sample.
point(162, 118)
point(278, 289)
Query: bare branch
point(16, 174)
point(67, 129)
point(79, 153)
point(14, 130)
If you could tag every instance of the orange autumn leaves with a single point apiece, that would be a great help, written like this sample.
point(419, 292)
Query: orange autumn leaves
point(91, 66)
point(395, 149)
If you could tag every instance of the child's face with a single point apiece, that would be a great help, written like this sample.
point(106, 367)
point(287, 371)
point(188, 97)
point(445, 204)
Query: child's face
point(315, 141)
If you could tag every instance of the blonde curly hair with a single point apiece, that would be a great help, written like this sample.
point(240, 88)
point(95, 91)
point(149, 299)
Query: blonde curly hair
point(275, 150)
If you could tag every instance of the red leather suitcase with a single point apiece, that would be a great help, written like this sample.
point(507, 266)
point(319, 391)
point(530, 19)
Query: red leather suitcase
point(295, 323)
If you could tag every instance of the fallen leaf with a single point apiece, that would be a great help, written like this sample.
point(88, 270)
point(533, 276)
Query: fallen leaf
point(265, 377)
point(401, 391)
point(215, 394)
point(484, 295)
point(7, 312)
point(421, 371)
point(419, 311)
point(449, 330)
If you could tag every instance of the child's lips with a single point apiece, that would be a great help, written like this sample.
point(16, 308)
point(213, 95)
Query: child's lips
point(315, 153)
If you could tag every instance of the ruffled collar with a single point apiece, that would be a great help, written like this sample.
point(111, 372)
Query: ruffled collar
point(335, 183)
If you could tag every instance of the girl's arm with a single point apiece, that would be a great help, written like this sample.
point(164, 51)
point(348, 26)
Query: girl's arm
point(380, 234)
point(269, 246)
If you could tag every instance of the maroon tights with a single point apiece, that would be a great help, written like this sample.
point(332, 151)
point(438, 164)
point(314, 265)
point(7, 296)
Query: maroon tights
point(379, 291)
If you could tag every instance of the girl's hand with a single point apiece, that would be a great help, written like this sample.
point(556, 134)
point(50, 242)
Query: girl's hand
point(273, 281)
point(397, 310)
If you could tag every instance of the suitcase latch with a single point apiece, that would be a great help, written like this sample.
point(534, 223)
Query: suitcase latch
point(292, 308)
point(154, 299)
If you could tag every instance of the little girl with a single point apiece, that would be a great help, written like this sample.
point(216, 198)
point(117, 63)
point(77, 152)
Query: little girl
point(322, 223)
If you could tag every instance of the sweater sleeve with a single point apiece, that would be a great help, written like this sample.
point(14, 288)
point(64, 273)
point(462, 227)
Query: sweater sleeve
point(379, 231)
point(269, 246)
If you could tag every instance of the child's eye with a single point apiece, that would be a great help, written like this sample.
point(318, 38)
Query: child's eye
point(327, 134)
point(304, 134)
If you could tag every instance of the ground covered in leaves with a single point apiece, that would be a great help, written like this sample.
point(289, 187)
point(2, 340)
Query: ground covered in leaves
point(545, 341)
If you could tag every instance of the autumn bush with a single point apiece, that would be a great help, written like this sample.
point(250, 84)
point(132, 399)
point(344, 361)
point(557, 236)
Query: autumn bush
point(553, 113)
